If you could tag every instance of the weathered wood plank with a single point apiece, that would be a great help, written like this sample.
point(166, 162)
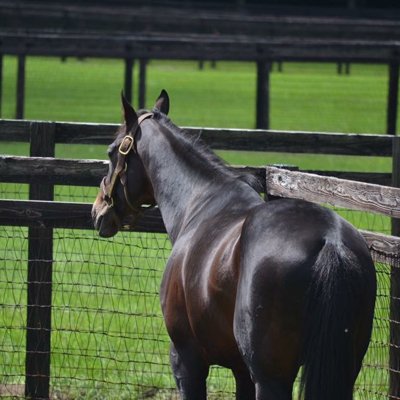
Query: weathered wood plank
point(223, 139)
point(66, 132)
point(50, 214)
point(57, 171)
point(78, 172)
point(295, 142)
point(249, 139)
point(12, 130)
point(333, 191)
point(376, 178)
point(385, 246)
point(75, 172)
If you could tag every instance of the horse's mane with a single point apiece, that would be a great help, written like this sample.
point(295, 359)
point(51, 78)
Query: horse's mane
point(197, 146)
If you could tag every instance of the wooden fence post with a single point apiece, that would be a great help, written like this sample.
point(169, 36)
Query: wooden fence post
point(394, 352)
point(393, 94)
point(142, 83)
point(128, 83)
point(40, 256)
point(262, 98)
point(1, 82)
point(340, 65)
point(19, 114)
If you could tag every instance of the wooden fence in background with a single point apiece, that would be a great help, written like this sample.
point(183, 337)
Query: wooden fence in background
point(41, 214)
point(192, 18)
point(262, 51)
point(145, 33)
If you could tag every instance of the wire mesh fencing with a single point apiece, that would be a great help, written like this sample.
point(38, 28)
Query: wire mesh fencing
point(107, 333)
point(376, 373)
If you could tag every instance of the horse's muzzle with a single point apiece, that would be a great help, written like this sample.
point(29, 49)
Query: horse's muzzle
point(105, 221)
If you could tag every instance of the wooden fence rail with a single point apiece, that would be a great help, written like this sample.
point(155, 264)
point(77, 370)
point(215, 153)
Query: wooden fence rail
point(336, 192)
point(58, 171)
point(218, 138)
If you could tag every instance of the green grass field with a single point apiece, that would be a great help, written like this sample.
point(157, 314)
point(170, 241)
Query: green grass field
point(109, 340)
point(303, 97)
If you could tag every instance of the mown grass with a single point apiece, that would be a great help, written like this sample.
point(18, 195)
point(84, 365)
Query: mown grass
point(108, 337)
point(303, 97)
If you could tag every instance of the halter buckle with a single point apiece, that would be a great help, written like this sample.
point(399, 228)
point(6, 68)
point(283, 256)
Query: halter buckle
point(122, 150)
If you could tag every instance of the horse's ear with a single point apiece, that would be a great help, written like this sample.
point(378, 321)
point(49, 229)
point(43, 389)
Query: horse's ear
point(130, 115)
point(162, 103)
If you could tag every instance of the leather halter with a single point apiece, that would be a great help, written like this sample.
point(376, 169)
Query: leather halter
point(125, 147)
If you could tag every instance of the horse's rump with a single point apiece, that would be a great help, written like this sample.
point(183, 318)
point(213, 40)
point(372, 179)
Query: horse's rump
point(305, 298)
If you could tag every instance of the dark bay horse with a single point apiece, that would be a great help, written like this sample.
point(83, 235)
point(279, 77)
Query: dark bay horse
point(262, 288)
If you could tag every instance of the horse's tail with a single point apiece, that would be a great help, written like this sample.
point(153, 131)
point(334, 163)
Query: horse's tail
point(330, 361)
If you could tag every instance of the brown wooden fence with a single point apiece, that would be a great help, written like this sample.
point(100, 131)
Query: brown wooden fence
point(201, 18)
point(41, 214)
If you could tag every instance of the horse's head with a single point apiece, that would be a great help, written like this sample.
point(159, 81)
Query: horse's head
point(127, 186)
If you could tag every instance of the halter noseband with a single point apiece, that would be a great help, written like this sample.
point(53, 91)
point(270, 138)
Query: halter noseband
point(125, 147)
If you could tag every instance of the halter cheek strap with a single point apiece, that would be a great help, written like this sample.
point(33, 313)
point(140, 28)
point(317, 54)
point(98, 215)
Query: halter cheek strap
point(126, 146)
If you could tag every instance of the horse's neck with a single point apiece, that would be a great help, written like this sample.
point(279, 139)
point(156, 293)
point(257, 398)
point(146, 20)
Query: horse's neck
point(180, 190)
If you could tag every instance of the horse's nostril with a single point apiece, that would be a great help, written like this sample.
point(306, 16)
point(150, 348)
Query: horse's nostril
point(97, 222)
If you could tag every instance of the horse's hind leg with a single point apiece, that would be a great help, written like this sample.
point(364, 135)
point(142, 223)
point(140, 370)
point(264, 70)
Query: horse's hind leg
point(273, 390)
point(245, 389)
point(190, 372)
point(272, 354)
point(268, 331)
